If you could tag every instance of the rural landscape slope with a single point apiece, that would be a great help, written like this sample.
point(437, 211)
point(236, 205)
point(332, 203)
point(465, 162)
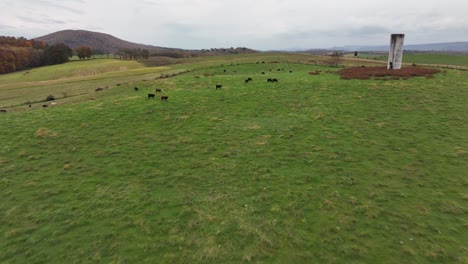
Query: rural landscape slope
point(311, 168)
point(100, 42)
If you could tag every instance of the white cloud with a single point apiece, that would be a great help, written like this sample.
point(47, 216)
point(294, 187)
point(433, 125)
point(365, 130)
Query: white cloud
point(260, 24)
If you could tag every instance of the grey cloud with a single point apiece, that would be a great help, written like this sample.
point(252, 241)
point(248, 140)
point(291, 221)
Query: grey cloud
point(41, 20)
point(149, 2)
point(179, 28)
point(93, 28)
point(59, 6)
point(263, 24)
point(5, 27)
point(364, 31)
point(367, 31)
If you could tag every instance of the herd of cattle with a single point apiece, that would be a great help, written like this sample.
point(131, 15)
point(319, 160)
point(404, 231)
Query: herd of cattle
point(217, 86)
point(165, 97)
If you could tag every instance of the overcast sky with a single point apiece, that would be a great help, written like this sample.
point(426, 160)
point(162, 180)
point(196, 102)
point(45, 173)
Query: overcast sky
point(258, 24)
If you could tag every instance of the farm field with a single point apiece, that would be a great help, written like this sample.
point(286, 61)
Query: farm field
point(312, 168)
point(424, 58)
point(441, 59)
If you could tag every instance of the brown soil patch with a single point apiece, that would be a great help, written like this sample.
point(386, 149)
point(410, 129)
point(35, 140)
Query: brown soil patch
point(45, 133)
point(382, 73)
point(315, 72)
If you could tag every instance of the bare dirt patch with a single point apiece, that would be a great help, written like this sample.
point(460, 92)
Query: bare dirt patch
point(365, 73)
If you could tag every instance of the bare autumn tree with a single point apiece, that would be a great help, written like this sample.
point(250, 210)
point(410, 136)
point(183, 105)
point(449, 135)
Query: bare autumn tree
point(84, 52)
point(336, 58)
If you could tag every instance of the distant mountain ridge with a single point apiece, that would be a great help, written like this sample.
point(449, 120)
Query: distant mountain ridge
point(447, 46)
point(99, 42)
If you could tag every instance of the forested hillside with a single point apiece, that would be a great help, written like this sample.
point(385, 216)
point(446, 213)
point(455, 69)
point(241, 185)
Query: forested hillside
point(20, 53)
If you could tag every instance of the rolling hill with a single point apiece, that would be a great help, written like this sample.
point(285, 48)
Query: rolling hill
point(100, 42)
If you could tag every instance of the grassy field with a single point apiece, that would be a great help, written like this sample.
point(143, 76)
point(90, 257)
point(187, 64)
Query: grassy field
point(441, 59)
point(309, 169)
point(77, 80)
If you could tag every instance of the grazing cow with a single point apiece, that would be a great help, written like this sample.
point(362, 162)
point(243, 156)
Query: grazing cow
point(224, 70)
point(158, 90)
point(136, 89)
point(44, 105)
point(164, 97)
point(99, 89)
point(274, 80)
point(278, 70)
point(269, 80)
point(290, 71)
point(263, 72)
point(151, 96)
point(3, 110)
point(247, 81)
point(250, 79)
point(218, 86)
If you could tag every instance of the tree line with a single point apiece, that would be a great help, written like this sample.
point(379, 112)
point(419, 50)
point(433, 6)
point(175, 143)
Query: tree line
point(20, 53)
point(178, 53)
point(139, 54)
point(133, 54)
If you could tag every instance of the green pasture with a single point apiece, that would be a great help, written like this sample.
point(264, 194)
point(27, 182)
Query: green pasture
point(440, 59)
point(310, 169)
point(424, 58)
point(77, 80)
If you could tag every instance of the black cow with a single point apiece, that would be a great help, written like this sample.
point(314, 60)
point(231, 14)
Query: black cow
point(269, 80)
point(136, 89)
point(45, 105)
point(3, 110)
point(247, 81)
point(99, 89)
point(263, 72)
point(218, 86)
point(164, 97)
point(150, 96)
point(274, 80)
